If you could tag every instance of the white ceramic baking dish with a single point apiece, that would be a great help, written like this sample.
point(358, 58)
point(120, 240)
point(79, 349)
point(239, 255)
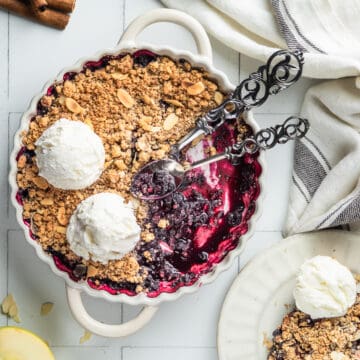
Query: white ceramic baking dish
point(129, 44)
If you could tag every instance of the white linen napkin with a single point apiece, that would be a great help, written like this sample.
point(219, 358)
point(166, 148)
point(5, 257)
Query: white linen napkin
point(327, 30)
point(326, 176)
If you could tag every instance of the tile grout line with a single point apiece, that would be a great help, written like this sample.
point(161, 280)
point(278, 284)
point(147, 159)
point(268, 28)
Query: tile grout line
point(8, 163)
point(8, 168)
point(80, 347)
point(122, 313)
point(167, 347)
point(124, 15)
point(8, 59)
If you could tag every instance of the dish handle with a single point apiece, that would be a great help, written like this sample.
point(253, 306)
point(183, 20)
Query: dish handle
point(169, 15)
point(98, 328)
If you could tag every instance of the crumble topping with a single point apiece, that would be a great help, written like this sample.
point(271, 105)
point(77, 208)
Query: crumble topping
point(138, 112)
point(300, 337)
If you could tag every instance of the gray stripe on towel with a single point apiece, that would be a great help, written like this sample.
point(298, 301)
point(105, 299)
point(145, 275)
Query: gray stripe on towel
point(350, 214)
point(290, 38)
point(333, 213)
point(291, 42)
point(318, 151)
point(308, 168)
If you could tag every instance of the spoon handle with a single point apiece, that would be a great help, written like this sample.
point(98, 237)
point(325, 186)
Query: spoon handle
point(282, 69)
point(293, 128)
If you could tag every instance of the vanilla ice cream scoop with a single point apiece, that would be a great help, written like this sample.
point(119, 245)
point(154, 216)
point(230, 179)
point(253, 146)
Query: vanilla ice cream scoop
point(70, 155)
point(324, 288)
point(103, 227)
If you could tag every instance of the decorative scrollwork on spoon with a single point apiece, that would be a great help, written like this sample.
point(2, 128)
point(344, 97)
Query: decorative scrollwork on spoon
point(282, 70)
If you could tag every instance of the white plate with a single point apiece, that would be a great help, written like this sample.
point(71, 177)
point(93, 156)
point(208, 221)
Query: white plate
point(262, 293)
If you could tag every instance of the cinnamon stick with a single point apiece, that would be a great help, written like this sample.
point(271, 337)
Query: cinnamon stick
point(47, 17)
point(66, 6)
point(38, 5)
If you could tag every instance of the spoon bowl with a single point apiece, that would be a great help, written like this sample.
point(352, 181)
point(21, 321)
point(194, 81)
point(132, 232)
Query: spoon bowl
point(157, 179)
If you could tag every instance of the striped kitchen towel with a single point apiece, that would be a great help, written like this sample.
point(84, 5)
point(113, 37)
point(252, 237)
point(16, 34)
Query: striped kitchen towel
point(327, 31)
point(326, 176)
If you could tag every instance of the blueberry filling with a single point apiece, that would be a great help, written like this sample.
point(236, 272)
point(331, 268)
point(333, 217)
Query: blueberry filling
point(144, 57)
point(158, 183)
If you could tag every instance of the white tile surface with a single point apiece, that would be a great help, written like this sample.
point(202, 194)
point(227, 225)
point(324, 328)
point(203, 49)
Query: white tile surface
point(4, 18)
point(191, 317)
point(186, 328)
point(277, 175)
point(37, 54)
point(76, 353)
point(169, 353)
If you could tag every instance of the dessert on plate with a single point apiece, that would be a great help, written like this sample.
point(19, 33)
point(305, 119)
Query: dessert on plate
point(91, 133)
point(326, 322)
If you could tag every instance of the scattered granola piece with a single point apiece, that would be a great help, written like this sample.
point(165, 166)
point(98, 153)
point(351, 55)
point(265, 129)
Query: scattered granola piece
point(44, 121)
point(120, 164)
point(21, 161)
point(60, 229)
point(196, 89)
point(73, 106)
point(174, 102)
point(144, 123)
point(119, 76)
point(46, 308)
point(47, 201)
point(7, 302)
point(163, 223)
point(46, 101)
point(170, 121)
point(115, 151)
point(86, 337)
point(125, 98)
point(61, 216)
point(212, 150)
point(9, 308)
point(147, 236)
point(336, 355)
point(218, 97)
point(92, 271)
point(147, 99)
point(186, 83)
point(40, 182)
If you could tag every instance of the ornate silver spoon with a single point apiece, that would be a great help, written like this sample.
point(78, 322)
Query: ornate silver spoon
point(282, 70)
point(160, 178)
